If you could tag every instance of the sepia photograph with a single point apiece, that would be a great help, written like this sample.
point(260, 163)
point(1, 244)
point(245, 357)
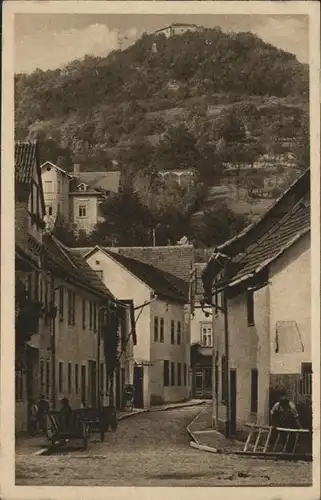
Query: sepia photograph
point(160, 177)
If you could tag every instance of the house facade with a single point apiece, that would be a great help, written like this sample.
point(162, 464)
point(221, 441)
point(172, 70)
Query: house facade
point(259, 286)
point(161, 364)
point(76, 196)
point(29, 213)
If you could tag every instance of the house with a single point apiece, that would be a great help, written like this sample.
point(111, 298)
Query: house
point(77, 196)
point(201, 341)
point(259, 286)
point(162, 315)
point(178, 29)
point(29, 213)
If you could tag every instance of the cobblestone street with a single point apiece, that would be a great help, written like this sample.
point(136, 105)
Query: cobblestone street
point(152, 449)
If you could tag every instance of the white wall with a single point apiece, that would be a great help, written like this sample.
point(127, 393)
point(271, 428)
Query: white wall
point(88, 222)
point(177, 353)
point(59, 192)
point(126, 286)
point(291, 301)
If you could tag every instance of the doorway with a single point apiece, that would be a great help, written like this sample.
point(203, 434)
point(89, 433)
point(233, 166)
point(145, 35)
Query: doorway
point(92, 383)
point(138, 385)
point(232, 402)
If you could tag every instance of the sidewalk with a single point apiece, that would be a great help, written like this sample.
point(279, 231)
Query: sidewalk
point(28, 445)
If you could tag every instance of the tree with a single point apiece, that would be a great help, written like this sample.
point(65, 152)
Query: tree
point(127, 221)
point(303, 145)
point(177, 149)
point(215, 226)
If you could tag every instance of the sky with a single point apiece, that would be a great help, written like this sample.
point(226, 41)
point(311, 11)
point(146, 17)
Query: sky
point(49, 41)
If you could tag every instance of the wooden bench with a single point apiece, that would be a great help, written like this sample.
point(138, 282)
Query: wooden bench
point(99, 419)
point(57, 432)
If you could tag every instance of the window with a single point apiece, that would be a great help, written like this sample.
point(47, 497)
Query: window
point(166, 373)
point(47, 377)
point(156, 329)
point(19, 385)
point(306, 368)
point(61, 303)
point(254, 390)
point(49, 209)
point(76, 378)
point(36, 287)
point(206, 335)
point(224, 380)
point(46, 301)
point(42, 375)
point(161, 332)
point(90, 315)
point(95, 317)
point(48, 186)
point(84, 314)
point(83, 383)
point(59, 186)
point(172, 373)
point(69, 378)
point(60, 384)
point(185, 374)
point(179, 374)
point(250, 308)
point(58, 208)
point(100, 274)
point(71, 307)
point(82, 209)
point(172, 332)
point(179, 332)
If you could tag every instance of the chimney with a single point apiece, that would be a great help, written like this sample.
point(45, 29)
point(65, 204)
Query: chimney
point(76, 169)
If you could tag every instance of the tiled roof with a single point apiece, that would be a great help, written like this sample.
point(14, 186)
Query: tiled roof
point(281, 206)
point(73, 265)
point(107, 181)
point(25, 155)
point(290, 228)
point(177, 260)
point(161, 282)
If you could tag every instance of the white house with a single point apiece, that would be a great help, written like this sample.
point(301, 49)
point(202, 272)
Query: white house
point(259, 285)
point(162, 351)
point(76, 196)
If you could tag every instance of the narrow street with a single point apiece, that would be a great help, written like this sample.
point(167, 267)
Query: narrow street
point(152, 449)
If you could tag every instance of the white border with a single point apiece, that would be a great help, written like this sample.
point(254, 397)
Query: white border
point(8, 489)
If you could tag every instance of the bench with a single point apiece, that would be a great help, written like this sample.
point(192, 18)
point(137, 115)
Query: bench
point(99, 419)
point(57, 432)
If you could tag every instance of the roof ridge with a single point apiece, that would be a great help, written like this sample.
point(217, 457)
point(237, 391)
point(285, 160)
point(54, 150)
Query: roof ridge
point(274, 228)
point(254, 224)
point(64, 249)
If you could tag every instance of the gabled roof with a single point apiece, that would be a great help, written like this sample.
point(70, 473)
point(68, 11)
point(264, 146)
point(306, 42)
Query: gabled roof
point(25, 154)
point(162, 283)
point(178, 260)
point(100, 181)
point(71, 265)
point(273, 244)
point(52, 165)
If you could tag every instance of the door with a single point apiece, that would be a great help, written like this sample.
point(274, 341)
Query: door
point(83, 384)
point(32, 356)
point(122, 385)
point(232, 402)
point(138, 385)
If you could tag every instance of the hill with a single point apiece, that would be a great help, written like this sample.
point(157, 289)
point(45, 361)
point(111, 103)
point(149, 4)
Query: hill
point(92, 107)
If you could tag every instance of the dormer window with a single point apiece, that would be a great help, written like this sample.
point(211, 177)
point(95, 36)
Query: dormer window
point(82, 187)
